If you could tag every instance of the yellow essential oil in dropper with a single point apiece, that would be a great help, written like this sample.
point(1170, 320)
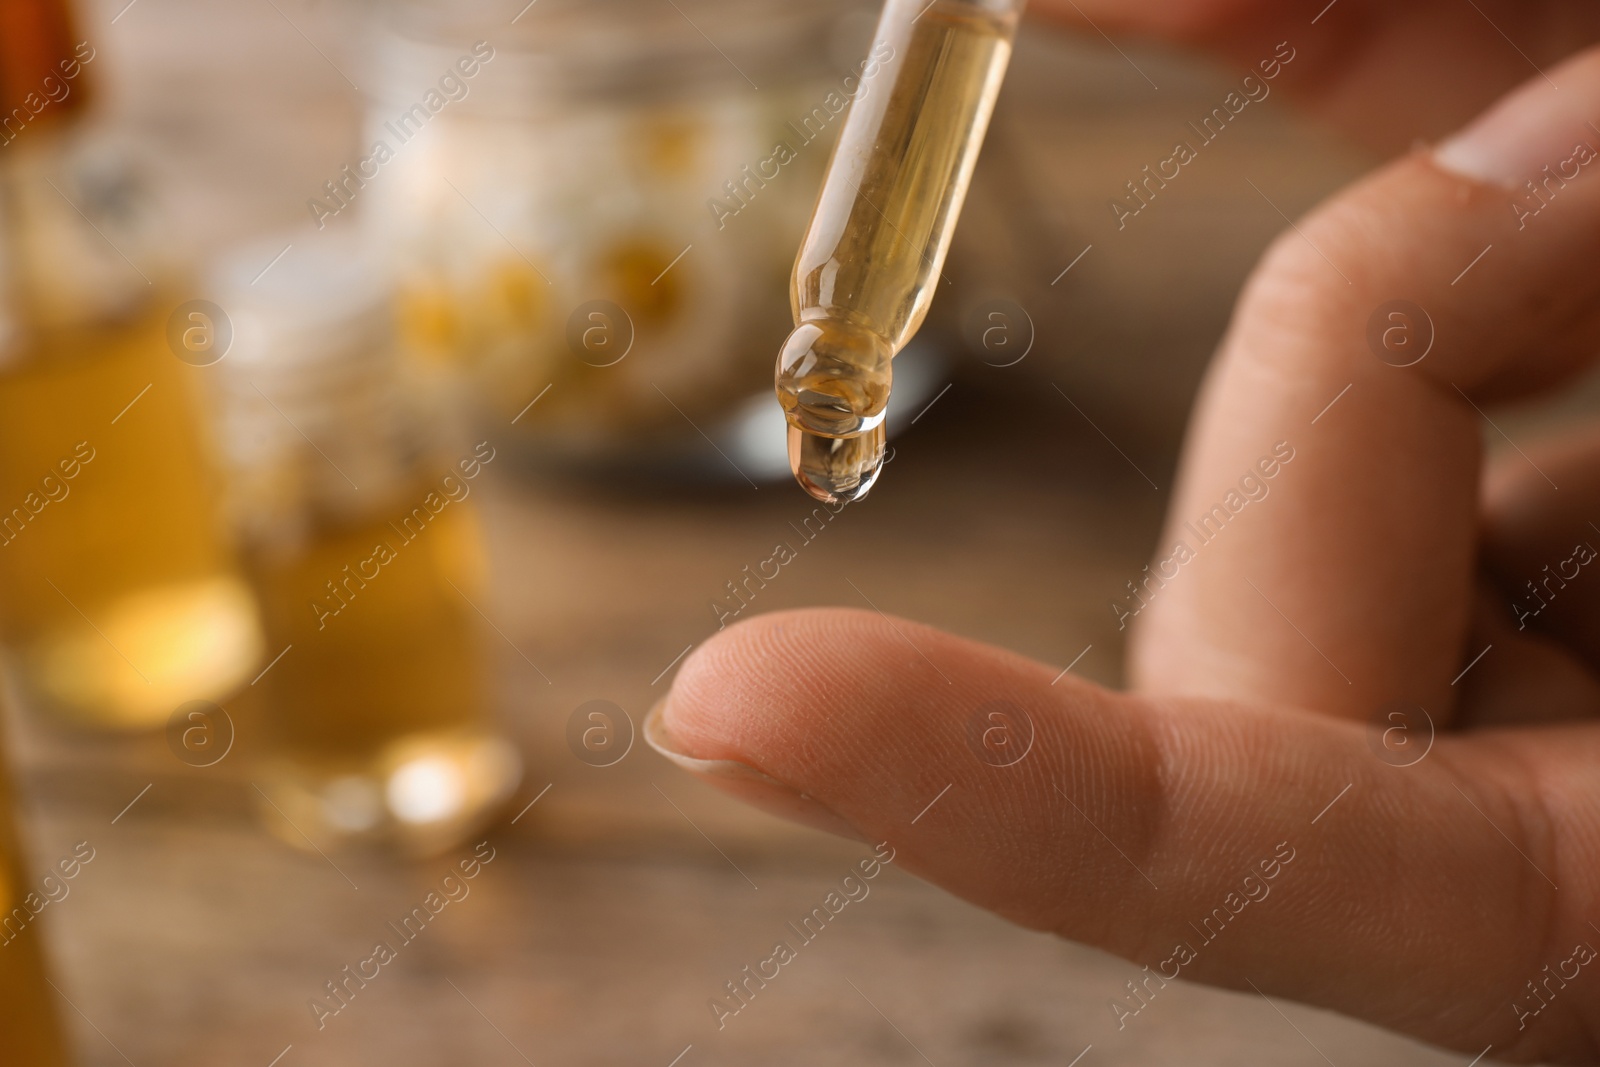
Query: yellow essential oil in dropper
point(872, 255)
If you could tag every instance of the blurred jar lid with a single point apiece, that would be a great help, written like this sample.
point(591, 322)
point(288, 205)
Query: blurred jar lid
point(556, 51)
point(304, 303)
point(312, 376)
point(311, 316)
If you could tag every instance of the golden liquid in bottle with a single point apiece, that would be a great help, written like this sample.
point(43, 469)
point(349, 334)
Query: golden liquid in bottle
point(871, 259)
point(30, 1027)
point(118, 593)
point(117, 588)
point(378, 725)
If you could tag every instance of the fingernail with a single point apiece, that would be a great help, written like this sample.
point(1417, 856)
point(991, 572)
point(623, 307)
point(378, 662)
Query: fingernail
point(1537, 126)
point(746, 782)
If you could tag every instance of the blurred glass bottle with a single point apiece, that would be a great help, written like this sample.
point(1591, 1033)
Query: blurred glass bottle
point(30, 1027)
point(597, 198)
point(365, 552)
point(118, 592)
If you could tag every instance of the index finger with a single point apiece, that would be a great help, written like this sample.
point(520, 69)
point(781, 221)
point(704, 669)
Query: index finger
point(1338, 574)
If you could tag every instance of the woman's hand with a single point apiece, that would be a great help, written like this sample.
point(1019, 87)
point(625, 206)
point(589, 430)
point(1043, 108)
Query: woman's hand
point(1387, 72)
point(1236, 818)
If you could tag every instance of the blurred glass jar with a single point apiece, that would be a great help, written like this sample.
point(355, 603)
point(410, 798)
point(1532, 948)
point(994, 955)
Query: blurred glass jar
point(598, 199)
point(365, 553)
point(118, 589)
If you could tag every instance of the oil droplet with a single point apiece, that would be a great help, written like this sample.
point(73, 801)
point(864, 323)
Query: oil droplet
point(837, 469)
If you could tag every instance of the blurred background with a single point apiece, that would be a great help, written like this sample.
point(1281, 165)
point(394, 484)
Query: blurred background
point(385, 411)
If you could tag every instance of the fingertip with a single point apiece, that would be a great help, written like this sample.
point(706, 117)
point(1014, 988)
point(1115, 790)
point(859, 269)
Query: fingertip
point(1534, 127)
point(746, 782)
point(745, 684)
point(781, 709)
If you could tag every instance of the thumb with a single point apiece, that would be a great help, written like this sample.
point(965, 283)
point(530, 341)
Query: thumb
point(1219, 842)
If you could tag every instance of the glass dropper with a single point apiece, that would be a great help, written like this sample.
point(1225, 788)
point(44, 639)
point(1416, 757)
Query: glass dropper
point(873, 254)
